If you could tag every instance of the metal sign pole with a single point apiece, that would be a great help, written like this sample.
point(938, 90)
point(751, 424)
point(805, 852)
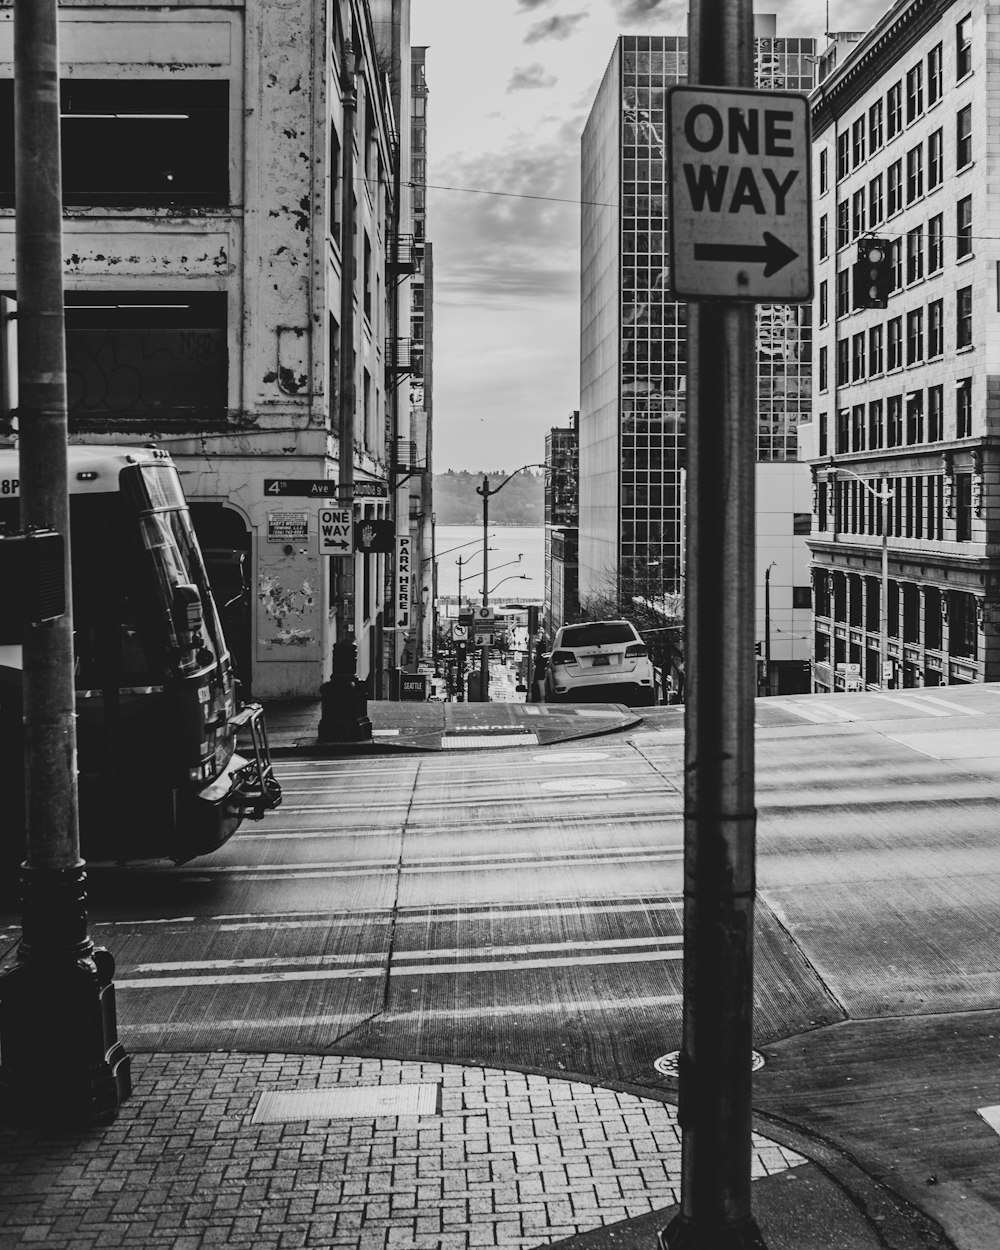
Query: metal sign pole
point(719, 816)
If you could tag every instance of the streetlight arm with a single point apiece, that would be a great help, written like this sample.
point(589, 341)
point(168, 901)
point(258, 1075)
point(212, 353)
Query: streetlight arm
point(485, 490)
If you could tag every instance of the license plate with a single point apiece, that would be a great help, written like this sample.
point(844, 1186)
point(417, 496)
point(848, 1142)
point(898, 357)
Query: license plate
point(595, 660)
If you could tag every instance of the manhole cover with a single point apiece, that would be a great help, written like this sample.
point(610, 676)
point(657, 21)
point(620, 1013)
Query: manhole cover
point(669, 1064)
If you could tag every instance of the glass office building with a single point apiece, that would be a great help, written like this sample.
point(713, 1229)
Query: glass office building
point(634, 337)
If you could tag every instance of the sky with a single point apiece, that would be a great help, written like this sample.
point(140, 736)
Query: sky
point(511, 83)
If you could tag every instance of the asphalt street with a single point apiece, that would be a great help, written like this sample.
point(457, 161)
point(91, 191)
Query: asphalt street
point(522, 908)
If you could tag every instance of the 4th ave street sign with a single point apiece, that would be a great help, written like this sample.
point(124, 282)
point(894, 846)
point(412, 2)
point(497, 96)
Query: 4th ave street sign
point(738, 177)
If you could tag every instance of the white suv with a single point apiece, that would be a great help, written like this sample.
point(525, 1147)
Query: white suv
point(602, 661)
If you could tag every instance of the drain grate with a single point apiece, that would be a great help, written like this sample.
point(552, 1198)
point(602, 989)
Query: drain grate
point(489, 740)
point(357, 1102)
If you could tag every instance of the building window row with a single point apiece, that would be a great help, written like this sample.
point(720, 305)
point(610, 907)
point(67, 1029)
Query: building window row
point(903, 420)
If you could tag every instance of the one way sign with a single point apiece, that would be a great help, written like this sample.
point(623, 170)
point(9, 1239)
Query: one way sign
point(739, 201)
point(336, 531)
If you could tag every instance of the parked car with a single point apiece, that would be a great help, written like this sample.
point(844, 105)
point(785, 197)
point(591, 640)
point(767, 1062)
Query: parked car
point(600, 661)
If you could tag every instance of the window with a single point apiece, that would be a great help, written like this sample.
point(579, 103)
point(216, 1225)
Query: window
point(963, 47)
point(963, 317)
point(915, 418)
point(963, 507)
point(858, 427)
point(858, 143)
point(875, 363)
point(146, 360)
point(894, 110)
point(824, 172)
point(875, 126)
point(843, 292)
point(915, 92)
point(875, 206)
point(963, 408)
point(935, 328)
point(963, 227)
point(366, 274)
point(894, 339)
point(824, 372)
point(935, 243)
point(801, 522)
point(824, 291)
point(896, 260)
point(857, 357)
point(801, 597)
point(843, 155)
point(915, 336)
point(824, 237)
point(843, 444)
point(935, 159)
point(894, 186)
point(914, 254)
point(934, 78)
point(963, 137)
point(843, 362)
point(136, 144)
point(935, 413)
point(914, 173)
point(843, 223)
point(894, 420)
point(858, 213)
point(822, 433)
point(876, 429)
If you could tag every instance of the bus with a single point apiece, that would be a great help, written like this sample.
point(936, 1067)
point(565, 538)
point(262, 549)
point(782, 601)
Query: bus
point(169, 763)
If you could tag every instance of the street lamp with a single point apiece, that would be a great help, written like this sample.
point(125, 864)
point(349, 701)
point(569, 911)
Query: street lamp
point(461, 563)
point(885, 498)
point(512, 577)
point(486, 492)
point(767, 626)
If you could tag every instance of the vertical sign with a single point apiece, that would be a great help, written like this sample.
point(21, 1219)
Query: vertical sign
point(403, 581)
point(335, 530)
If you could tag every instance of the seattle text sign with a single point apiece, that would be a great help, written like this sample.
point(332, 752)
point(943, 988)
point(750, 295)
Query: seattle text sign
point(738, 174)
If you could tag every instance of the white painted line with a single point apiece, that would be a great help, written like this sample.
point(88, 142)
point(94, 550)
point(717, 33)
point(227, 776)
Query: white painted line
point(933, 698)
point(909, 702)
point(568, 757)
point(312, 961)
point(489, 740)
point(359, 1102)
point(584, 785)
point(992, 1117)
point(385, 733)
point(819, 714)
point(417, 970)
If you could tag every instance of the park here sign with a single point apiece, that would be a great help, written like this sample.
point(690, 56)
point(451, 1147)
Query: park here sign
point(739, 206)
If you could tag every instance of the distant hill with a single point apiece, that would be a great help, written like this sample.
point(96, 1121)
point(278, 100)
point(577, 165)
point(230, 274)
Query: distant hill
point(520, 502)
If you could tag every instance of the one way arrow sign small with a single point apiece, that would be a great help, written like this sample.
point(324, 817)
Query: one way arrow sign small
point(739, 202)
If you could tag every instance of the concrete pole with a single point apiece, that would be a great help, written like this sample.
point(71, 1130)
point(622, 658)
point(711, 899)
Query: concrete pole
point(344, 700)
point(62, 1062)
point(720, 822)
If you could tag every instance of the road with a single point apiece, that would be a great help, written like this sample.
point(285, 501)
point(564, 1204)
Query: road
point(523, 907)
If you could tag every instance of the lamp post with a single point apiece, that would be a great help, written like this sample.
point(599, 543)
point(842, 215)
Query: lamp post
point(486, 492)
point(461, 564)
point(885, 498)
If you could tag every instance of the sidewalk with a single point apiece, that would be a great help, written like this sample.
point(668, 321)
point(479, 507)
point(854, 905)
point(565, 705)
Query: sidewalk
point(265, 1152)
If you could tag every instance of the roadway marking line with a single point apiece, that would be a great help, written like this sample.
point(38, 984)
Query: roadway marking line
point(913, 701)
point(318, 961)
point(445, 915)
point(438, 1013)
point(827, 716)
point(292, 872)
point(932, 698)
point(418, 970)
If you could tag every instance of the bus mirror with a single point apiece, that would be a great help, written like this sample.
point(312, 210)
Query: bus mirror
point(188, 615)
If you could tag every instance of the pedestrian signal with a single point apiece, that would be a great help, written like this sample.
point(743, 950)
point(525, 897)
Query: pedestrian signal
point(872, 274)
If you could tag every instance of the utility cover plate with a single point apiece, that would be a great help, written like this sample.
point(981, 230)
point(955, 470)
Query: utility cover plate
point(360, 1102)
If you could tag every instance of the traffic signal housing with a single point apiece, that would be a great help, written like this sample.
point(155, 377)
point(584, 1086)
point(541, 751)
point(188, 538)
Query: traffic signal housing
point(872, 274)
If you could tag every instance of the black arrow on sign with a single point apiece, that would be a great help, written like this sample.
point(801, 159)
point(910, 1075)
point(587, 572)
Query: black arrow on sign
point(341, 545)
point(775, 254)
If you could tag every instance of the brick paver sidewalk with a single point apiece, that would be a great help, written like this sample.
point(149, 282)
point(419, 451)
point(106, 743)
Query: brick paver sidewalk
point(497, 1158)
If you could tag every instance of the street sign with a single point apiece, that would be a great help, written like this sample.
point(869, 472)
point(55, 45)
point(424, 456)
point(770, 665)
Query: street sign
point(482, 639)
point(460, 633)
point(484, 618)
point(336, 531)
point(738, 177)
point(302, 488)
point(403, 580)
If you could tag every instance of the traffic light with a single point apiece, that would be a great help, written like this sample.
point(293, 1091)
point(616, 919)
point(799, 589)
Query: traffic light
point(872, 274)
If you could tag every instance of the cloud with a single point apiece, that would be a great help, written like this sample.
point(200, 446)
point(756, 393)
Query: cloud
point(559, 26)
point(528, 5)
point(531, 77)
point(666, 13)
